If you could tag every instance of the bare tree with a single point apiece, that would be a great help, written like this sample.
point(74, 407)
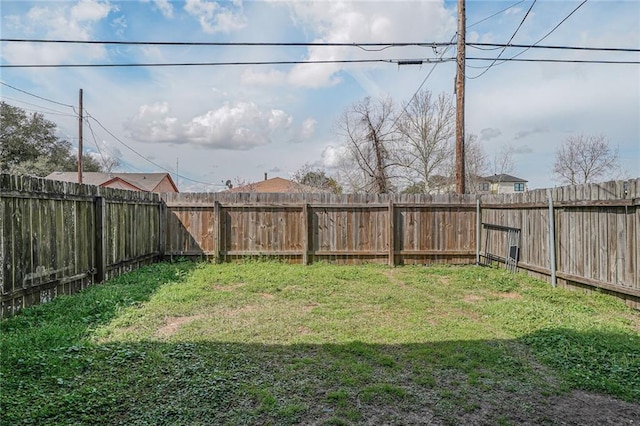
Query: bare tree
point(583, 159)
point(426, 127)
point(368, 129)
point(109, 163)
point(476, 163)
point(503, 162)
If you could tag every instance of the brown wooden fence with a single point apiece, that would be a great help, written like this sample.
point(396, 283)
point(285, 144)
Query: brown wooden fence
point(595, 231)
point(58, 237)
point(304, 228)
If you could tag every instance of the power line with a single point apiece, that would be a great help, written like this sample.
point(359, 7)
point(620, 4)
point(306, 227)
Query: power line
point(95, 142)
point(495, 14)
point(553, 29)
point(224, 44)
point(398, 62)
point(534, 45)
point(557, 47)
point(142, 156)
point(41, 110)
point(504, 48)
point(191, 64)
point(564, 61)
point(35, 96)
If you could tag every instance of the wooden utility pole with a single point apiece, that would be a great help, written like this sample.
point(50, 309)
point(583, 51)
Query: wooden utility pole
point(460, 173)
point(80, 138)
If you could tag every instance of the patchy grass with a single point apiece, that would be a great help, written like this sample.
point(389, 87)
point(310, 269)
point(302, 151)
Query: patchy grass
point(270, 343)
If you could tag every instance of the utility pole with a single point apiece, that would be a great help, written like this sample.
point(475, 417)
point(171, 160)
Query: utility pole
point(80, 138)
point(177, 174)
point(460, 77)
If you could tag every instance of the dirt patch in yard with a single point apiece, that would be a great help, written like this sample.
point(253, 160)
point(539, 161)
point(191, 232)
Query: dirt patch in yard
point(172, 324)
point(583, 408)
point(228, 287)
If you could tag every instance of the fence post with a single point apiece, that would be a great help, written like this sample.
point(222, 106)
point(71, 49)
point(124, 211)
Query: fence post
point(552, 241)
point(392, 242)
point(305, 234)
point(100, 240)
point(217, 217)
point(478, 233)
point(162, 232)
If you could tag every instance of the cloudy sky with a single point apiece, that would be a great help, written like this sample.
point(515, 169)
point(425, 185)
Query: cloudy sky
point(239, 121)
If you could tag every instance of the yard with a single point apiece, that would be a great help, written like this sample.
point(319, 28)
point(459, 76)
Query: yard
point(271, 343)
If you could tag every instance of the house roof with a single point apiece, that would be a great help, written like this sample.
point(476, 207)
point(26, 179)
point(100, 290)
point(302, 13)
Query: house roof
point(503, 178)
point(275, 184)
point(143, 181)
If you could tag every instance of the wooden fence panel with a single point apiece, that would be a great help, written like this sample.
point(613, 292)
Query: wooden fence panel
point(48, 234)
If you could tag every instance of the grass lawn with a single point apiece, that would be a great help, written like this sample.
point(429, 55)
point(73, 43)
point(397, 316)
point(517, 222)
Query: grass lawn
point(271, 343)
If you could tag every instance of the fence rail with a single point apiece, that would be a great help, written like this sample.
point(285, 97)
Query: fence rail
point(57, 238)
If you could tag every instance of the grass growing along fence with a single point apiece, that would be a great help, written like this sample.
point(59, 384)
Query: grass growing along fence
point(266, 342)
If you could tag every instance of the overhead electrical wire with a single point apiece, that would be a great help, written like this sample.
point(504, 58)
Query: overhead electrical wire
point(398, 62)
point(191, 64)
point(557, 47)
point(95, 141)
point(88, 115)
point(524, 18)
point(495, 14)
point(553, 29)
point(41, 109)
point(35, 96)
point(535, 45)
point(225, 44)
point(564, 61)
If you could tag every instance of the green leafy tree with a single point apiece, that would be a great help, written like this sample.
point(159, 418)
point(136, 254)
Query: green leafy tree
point(317, 179)
point(29, 145)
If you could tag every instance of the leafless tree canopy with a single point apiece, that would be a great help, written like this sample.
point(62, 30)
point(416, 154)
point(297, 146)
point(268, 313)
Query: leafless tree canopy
point(426, 128)
point(584, 159)
point(503, 161)
point(368, 128)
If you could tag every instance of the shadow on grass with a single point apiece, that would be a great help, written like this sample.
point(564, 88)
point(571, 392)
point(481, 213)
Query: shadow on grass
point(51, 373)
point(450, 382)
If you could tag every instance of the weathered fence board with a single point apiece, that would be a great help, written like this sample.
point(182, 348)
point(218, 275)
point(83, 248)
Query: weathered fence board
point(58, 237)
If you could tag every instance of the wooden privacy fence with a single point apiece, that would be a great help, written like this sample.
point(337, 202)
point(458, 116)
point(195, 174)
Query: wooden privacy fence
point(305, 228)
point(57, 237)
point(585, 235)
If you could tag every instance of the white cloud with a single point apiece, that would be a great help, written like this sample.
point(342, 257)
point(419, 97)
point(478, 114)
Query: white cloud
point(90, 10)
point(308, 128)
point(348, 22)
point(234, 126)
point(152, 123)
point(73, 23)
point(332, 156)
point(239, 126)
point(214, 18)
point(165, 8)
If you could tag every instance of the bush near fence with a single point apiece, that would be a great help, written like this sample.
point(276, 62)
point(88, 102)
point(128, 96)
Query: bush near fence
point(56, 237)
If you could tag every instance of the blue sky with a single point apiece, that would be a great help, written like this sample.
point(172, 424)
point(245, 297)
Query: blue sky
point(238, 122)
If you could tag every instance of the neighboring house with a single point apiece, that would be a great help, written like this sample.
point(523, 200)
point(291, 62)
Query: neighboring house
point(276, 184)
point(147, 182)
point(501, 184)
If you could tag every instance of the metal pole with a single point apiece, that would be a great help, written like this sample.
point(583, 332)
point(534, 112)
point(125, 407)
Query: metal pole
point(478, 233)
point(460, 172)
point(80, 138)
point(552, 241)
